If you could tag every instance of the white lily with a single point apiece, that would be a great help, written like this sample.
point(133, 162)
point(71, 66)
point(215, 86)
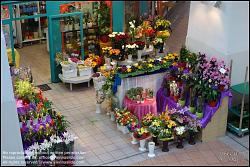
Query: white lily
point(52, 157)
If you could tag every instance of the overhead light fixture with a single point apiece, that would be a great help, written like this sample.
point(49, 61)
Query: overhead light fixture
point(216, 4)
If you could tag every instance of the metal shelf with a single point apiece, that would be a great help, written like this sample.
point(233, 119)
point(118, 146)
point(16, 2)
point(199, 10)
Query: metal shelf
point(240, 132)
point(236, 111)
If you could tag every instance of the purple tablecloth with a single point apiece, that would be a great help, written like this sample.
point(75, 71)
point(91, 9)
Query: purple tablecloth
point(162, 101)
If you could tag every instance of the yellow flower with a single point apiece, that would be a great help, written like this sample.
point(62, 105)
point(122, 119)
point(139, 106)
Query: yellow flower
point(129, 70)
point(150, 65)
point(136, 64)
point(163, 61)
point(150, 60)
point(139, 67)
point(93, 64)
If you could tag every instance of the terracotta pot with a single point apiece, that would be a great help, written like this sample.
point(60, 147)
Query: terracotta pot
point(212, 103)
point(104, 38)
point(221, 88)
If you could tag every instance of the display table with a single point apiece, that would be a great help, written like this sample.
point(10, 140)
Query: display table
point(152, 81)
point(140, 109)
point(163, 101)
point(75, 80)
point(17, 56)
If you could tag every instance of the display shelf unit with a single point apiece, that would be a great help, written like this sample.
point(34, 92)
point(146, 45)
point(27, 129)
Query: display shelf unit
point(29, 9)
point(238, 111)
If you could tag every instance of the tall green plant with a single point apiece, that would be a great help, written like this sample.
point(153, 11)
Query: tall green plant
point(103, 18)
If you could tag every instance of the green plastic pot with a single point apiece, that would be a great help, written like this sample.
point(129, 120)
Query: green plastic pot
point(181, 102)
point(192, 109)
point(199, 114)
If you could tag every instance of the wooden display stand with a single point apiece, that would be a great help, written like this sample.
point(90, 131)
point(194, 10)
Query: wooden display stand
point(218, 124)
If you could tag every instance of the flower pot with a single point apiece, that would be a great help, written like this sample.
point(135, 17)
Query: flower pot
point(124, 129)
point(155, 140)
point(192, 109)
point(151, 148)
point(104, 38)
point(191, 139)
point(161, 49)
point(181, 102)
point(212, 103)
point(165, 146)
point(199, 114)
point(139, 53)
point(129, 58)
point(221, 88)
point(142, 145)
point(107, 61)
point(98, 108)
point(179, 142)
point(134, 141)
point(176, 98)
point(112, 116)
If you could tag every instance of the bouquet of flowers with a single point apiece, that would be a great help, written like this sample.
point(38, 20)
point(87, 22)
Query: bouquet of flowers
point(140, 44)
point(162, 24)
point(164, 35)
point(105, 51)
point(148, 119)
point(180, 130)
point(120, 38)
point(132, 48)
point(115, 54)
point(165, 134)
point(158, 43)
point(24, 90)
point(141, 133)
point(155, 127)
point(193, 125)
point(132, 29)
point(133, 123)
point(93, 61)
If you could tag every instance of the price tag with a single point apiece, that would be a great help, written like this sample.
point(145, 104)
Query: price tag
point(222, 70)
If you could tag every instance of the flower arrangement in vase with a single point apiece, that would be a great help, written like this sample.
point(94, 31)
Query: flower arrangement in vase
point(179, 132)
point(162, 24)
point(115, 54)
point(105, 51)
point(193, 127)
point(165, 136)
point(155, 129)
point(141, 133)
point(148, 119)
point(158, 43)
point(131, 50)
point(174, 91)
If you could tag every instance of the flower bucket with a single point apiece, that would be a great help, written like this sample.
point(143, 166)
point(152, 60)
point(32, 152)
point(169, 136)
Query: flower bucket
point(165, 146)
point(98, 108)
point(155, 140)
point(199, 115)
point(124, 129)
point(139, 53)
point(212, 103)
point(134, 141)
point(181, 102)
point(191, 139)
point(179, 142)
point(112, 116)
point(151, 148)
point(142, 145)
point(192, 109)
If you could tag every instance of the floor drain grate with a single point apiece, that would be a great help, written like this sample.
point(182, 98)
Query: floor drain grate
point(44, 87)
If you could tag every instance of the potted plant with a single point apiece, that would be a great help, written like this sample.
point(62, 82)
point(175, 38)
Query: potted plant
point(24, 90)
point(149, 94)
point(182, 99)
point(158, 44)
point(155, 129)
point(164, 35)
point(141, 46)
point(131, 50)
point(132, 126)
point(141, 134)
point(179, 132)
point(193, 128)
point(212, 96)
point(165, 136)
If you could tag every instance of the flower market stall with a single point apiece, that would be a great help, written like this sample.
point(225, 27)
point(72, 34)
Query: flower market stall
point(43, 130)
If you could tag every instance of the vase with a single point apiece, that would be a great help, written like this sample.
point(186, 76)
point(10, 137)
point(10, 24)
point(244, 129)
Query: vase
point(129, 58)
point(112, 116)
point(179, 142)
point(142, 145)
point(151, 148)
point(199, 114)
point(139, 53)
point(155, 140)
point(98, 108)
point(124, 129)
point(191, 139)
point(107, 61)
point(181, 102)
point(165, 146)
point(161, 48)
point(212, 103)
point(192, 109)
point(134, 141)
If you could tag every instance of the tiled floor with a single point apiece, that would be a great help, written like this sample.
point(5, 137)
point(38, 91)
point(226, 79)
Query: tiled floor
point(100, 141)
